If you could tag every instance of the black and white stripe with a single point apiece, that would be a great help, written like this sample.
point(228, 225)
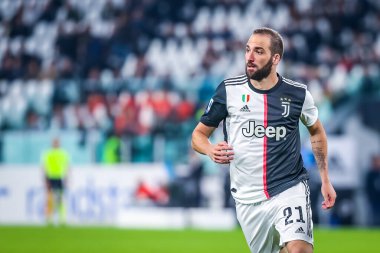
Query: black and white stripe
point(238, 80)
point(293, 83)
point(309, 231)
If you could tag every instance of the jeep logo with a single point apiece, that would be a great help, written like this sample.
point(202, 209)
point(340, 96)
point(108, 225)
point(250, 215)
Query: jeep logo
point(260, 131)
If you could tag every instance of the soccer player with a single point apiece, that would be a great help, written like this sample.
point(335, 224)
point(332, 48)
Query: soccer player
point(55, 165)
point(260, 111)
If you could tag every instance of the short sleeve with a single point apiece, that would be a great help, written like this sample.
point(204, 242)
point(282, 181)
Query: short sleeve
point(309, 114)
point(216, 110)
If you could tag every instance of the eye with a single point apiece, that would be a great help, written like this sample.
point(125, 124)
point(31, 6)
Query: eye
point(247, 49)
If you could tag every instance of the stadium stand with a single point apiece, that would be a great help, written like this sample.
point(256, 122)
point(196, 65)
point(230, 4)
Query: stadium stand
point(143, 70)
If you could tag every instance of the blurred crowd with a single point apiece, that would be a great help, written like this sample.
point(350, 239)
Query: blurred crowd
point(148, 67)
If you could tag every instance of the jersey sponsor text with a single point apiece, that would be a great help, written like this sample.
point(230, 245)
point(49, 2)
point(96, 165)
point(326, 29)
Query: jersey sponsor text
point(260, 131)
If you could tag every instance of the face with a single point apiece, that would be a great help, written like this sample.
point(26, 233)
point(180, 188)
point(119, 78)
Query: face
point(56, 143)
point(258, 57)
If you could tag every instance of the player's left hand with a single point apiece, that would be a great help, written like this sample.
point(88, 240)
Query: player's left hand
point(329, 195)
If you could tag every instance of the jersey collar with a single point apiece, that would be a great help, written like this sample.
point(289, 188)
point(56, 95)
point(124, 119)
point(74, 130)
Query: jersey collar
point(275, 87)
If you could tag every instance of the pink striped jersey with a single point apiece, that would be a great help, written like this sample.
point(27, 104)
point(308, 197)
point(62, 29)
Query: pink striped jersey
point(262, 126)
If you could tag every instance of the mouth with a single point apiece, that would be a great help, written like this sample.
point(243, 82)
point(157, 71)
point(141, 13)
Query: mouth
point(251, 67)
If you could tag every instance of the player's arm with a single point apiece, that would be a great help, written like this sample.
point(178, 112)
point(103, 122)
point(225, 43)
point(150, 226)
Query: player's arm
point(68, 172)
point(44, 171)
point(318, 140)
point(215, 112)
point(45, 177)
point(219, 153)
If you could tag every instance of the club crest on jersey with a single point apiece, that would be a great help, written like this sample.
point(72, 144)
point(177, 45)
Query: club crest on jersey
point(245, 98)
point(285, 103)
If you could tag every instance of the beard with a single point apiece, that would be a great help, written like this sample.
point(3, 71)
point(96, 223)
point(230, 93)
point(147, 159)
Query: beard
point(259, 74)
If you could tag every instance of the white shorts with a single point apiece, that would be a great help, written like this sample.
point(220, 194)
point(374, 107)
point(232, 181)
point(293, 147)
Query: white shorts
point(270, 224)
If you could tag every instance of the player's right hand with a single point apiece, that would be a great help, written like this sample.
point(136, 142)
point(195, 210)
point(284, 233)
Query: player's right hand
point(221, 153)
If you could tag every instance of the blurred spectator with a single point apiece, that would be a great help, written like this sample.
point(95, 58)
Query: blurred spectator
point(184, 109)
point(125, 114)
point(372, 186)
point(10, 67)
point(17, 26)
point(55, 162)
point(112, 149)
point(50, 10)
point(186, 190)
point(150, 195)
point(194, 180)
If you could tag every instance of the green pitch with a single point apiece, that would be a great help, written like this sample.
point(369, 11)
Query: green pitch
point(113, 240)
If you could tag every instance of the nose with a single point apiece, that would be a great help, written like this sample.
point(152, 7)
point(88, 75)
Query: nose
point(250, 56)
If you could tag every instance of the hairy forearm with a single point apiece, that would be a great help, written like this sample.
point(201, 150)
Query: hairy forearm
point(200, 142)
point(318, 140)
point(219, 153)
point(319, 146)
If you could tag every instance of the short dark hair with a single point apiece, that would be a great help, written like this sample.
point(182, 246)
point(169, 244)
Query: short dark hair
point(276, 42)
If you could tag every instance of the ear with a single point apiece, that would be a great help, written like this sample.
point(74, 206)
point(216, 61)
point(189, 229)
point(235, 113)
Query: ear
point(276, 59)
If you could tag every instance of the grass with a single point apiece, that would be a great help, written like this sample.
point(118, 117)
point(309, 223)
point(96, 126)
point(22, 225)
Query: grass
point(19, 239)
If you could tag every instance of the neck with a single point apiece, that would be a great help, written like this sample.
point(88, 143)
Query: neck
point(266, 83)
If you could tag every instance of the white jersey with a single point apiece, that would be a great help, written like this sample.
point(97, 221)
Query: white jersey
point(262, 126)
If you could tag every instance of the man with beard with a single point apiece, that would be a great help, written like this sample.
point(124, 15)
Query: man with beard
point(260, 112)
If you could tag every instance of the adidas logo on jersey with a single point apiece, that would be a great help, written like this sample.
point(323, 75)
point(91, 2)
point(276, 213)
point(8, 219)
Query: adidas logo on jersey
point(300, 231)
point(245, 109)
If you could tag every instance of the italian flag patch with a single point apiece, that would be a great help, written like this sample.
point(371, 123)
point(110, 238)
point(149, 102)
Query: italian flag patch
point(245, 98)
